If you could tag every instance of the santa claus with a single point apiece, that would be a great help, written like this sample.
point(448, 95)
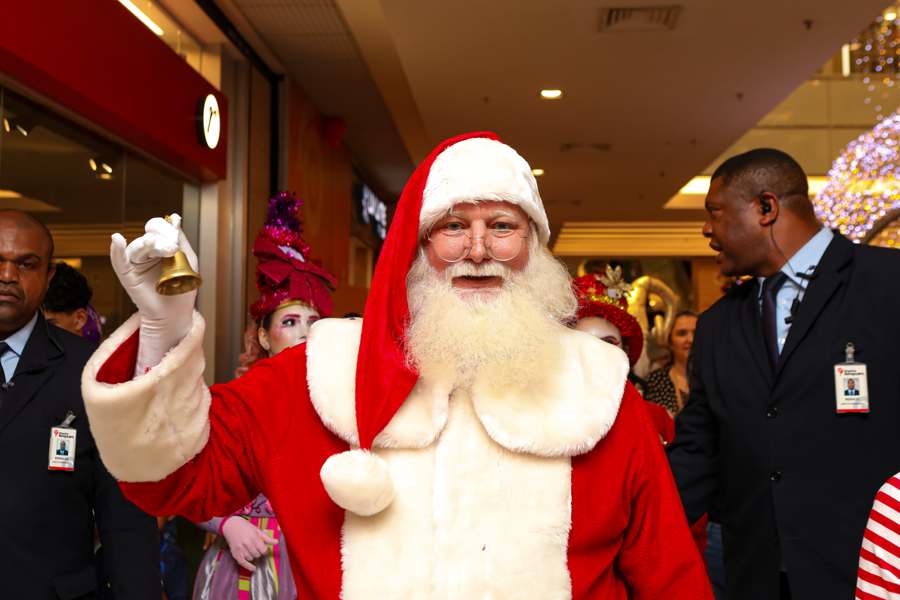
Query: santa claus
point(459, 442)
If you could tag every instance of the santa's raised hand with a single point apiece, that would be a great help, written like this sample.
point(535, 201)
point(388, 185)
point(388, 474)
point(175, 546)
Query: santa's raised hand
point(164, 319)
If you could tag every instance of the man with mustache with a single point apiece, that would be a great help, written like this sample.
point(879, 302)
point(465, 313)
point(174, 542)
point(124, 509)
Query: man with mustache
point(51, 504)
point(767, 431)
point(458, 442)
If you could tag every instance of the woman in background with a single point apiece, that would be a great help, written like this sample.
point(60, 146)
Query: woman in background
point(668, 385)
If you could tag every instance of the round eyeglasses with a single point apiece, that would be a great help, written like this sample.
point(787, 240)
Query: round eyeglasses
point(452, 242)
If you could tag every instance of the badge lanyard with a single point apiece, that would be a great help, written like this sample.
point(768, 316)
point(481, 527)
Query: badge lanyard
point(62, 445)
point(851, 384)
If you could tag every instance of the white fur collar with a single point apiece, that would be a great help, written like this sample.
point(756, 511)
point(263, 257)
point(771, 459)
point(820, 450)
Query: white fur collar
point(568, 416)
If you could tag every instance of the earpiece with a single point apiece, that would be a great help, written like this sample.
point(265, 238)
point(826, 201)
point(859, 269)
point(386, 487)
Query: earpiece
point(765, 206)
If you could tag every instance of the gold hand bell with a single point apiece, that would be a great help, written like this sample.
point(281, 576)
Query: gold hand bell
point(177, 275)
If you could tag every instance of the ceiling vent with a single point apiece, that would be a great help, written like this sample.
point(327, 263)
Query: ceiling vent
point(639, 18)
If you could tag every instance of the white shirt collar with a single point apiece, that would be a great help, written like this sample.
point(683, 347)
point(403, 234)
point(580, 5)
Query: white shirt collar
point(806, 259)
point(17, 341)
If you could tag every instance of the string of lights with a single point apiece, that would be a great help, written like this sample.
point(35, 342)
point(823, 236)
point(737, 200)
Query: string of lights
point(875, 54)
point(863, 186)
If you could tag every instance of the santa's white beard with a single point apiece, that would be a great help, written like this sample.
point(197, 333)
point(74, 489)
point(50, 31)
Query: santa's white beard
point(509, 338)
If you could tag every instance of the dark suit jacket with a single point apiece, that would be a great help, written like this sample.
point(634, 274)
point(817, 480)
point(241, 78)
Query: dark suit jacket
point(795, 479)
point(47, 517)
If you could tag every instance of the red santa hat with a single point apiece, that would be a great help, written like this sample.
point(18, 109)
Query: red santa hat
point(284, 272)
point(468, 168)
point(605, 296)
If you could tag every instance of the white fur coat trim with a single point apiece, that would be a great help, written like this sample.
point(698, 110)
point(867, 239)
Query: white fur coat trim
point(470, 520)
point(331, 350)
point(570, 413)
point(150, 426)
point(566, 417)
point(477, 170)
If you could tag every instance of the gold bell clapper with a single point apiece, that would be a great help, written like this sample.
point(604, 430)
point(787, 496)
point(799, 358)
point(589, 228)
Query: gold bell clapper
point(178, 277)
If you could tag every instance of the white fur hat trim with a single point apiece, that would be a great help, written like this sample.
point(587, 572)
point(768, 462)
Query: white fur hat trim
point(358, 481)
point(478, 170)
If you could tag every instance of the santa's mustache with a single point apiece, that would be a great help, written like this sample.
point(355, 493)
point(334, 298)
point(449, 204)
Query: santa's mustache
point(467, 268)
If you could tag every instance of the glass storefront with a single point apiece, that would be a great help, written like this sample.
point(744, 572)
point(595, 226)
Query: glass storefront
point(84, 188)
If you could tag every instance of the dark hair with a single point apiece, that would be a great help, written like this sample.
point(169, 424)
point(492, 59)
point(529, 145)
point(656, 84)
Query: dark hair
point(68, 291)
point(678, 315)
point(767, 170)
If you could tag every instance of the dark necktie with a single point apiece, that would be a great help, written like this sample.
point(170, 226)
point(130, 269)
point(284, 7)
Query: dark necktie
point(770, 289)
point(4, 348)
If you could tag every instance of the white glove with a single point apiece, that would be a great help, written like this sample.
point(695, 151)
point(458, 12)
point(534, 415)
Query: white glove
point(164, 319)
point(246, 541)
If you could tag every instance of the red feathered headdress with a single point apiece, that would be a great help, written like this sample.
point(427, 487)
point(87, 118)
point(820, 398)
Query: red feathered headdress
point(284, 272)
point(604, 296)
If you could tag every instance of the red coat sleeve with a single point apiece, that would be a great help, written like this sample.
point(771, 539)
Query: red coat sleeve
point(662, 421)
point(658, 557)
point(249, 417)
point(664, 424)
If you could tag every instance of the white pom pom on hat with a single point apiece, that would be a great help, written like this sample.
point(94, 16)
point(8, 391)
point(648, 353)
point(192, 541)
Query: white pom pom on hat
point(358, 481)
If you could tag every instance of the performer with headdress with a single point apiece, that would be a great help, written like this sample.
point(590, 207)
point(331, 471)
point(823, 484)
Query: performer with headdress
point(250, 559)
point(603, 313)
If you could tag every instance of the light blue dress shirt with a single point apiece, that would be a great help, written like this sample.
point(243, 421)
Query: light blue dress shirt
point(804, 261)
point(16, 342)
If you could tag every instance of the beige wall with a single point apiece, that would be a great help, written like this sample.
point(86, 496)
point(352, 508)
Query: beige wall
point(258, 174)
point(706, 281)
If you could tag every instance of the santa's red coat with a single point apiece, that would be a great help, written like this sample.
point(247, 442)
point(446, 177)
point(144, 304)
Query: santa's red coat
point(628, 536)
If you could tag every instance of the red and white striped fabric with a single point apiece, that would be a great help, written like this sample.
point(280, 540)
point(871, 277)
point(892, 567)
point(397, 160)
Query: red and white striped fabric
point(879, 559)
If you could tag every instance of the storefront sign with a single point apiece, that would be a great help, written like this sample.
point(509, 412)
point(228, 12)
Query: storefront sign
point(372, 210)
point(210, 121)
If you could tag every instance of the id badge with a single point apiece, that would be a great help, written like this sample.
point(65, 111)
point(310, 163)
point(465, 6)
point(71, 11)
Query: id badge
point(851, 385)
point(62, 446)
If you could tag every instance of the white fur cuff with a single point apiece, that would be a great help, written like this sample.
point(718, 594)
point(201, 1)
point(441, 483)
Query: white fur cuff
point(150, 426)
point(358, 481)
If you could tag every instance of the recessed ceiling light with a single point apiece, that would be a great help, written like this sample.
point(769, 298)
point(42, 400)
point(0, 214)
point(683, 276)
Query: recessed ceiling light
point(537, 172)
point(551, 94)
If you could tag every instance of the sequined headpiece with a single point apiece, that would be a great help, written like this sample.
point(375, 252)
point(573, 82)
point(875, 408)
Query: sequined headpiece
point(606, 296)
point(284, 272)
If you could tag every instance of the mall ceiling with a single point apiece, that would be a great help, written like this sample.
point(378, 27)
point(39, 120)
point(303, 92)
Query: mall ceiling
point(642, 111)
